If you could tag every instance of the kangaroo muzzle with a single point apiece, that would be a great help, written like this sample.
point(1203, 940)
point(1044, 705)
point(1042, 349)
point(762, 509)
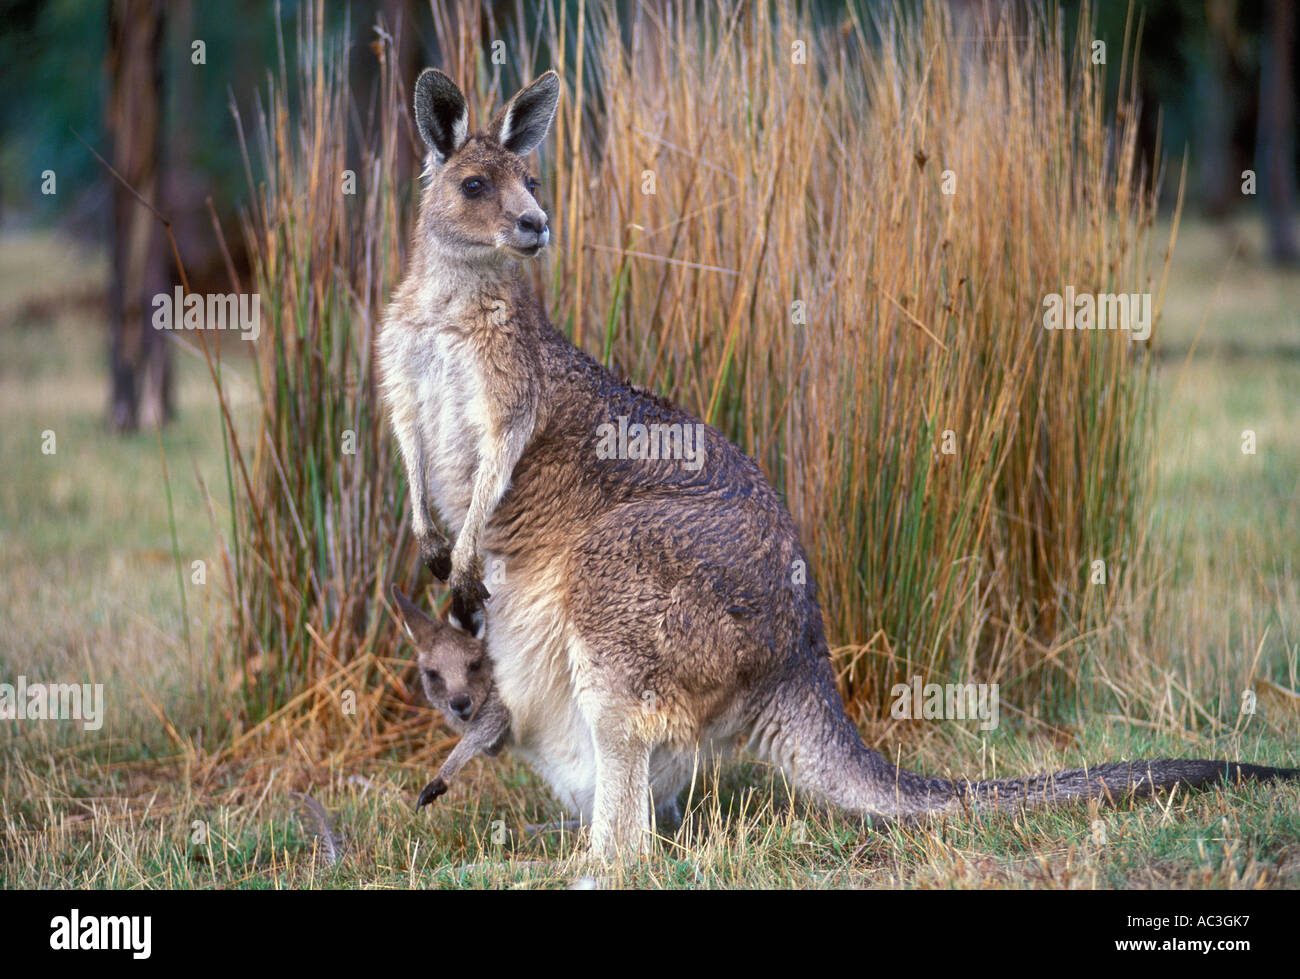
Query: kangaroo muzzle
point(532, 232)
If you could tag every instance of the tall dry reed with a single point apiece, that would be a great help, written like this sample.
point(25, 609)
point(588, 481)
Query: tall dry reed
point(831, 240)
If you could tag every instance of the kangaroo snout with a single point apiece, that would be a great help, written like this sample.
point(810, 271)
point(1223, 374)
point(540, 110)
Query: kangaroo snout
point(531, 231)
point(461, 706)
point(534, 222)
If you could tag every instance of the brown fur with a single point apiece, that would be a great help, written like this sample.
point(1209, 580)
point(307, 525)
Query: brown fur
point(645, 614)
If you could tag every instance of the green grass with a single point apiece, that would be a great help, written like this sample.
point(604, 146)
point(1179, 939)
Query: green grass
point(1231, 521)
point(90, 583)
point(100, 827)
point(90, 593)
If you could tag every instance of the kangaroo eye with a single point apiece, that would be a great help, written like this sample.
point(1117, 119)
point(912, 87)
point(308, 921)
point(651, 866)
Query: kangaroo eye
point(477, 665)
point(531, 184)
point(432, 676)
point(472, 186)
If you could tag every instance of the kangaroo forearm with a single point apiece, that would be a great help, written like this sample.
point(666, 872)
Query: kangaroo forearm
point(482, 503)
point(490, 484)
point(408, 440)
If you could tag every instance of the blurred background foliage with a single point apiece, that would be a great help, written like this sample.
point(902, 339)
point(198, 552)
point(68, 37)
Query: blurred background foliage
point(1199, 78)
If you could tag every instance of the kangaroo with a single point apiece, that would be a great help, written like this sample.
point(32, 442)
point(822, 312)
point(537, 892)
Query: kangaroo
point(457, 678)
point(648, 611)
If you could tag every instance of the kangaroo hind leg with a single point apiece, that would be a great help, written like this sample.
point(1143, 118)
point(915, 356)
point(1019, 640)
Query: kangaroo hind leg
point(620, 824)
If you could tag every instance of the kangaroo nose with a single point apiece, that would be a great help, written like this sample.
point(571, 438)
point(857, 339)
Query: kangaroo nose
point(461, 705)
point(534, 221)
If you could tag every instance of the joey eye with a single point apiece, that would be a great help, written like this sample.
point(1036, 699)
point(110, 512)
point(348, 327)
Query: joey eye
point(531, 184)
point(432, 676)
point(477, 665)
point(472, 186)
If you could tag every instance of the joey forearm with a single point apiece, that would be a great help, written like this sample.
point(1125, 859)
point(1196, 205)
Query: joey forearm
point(487, 734)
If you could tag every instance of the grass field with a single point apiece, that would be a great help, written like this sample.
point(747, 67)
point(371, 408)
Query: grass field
point(89, 592)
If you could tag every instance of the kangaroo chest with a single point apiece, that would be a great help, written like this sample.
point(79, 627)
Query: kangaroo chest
point(441, 380)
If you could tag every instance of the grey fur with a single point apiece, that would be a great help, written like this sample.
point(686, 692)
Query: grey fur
point(646, 614)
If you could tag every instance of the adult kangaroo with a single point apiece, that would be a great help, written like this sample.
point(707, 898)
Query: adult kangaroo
point(644, 606)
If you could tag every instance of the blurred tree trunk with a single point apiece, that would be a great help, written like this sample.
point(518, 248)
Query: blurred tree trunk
point(139, 356)
point(1276, 133)
point(1220, 187)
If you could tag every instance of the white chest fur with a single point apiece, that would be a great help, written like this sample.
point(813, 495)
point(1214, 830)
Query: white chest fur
point(430, 373)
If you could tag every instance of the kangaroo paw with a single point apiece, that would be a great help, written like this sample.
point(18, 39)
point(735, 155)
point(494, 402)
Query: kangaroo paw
point(435, 552)
point(431, 791)
point(467, 596)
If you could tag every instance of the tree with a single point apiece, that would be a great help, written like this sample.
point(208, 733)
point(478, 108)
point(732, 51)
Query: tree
point(1276, 133)
point(139, 356)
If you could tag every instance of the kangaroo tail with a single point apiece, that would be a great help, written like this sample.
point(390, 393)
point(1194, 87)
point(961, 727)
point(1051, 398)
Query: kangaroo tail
point(804, 729)
point(1110, 782)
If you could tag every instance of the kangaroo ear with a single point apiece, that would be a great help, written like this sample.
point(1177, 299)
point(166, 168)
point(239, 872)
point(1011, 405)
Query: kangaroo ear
point(523, 123)
point(441, 115)
point(420, 627)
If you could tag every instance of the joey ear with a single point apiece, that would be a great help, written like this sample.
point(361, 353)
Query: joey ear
point(441, 115)
point(523, 123)
point(421, 628)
